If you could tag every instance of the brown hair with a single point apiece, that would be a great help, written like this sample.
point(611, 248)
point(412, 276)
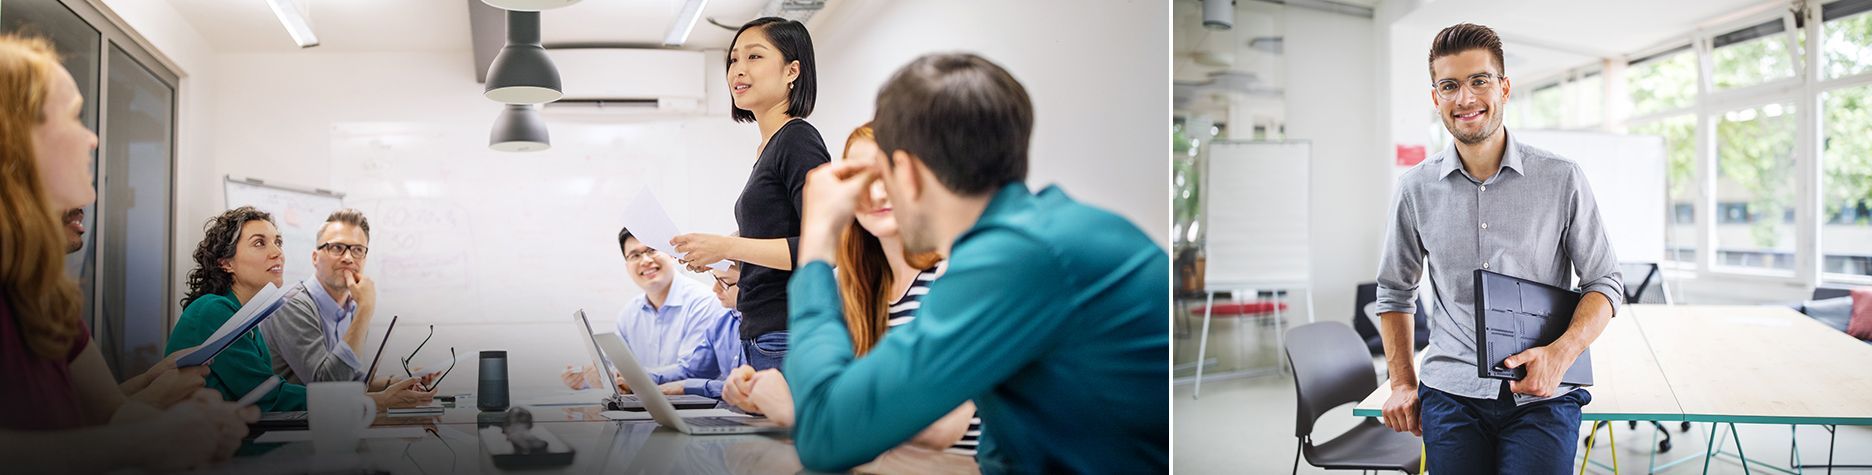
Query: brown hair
point(1464, 37)
point(349, 216)
point(32, 272)
point(221, 237)
point(964, 117)
point(864, 274)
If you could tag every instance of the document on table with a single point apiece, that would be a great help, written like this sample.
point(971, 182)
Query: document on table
point(282, 436)
point(651, 224)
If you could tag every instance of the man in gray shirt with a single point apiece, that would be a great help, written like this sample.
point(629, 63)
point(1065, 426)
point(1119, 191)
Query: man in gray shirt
point(1488, 202)
point(317, 335)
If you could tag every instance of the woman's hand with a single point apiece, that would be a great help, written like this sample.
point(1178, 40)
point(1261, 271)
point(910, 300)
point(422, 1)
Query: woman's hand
point(699, 250)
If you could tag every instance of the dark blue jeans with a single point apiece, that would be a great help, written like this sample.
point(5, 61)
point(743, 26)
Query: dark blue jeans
point(1464, 435)
point(765, 351)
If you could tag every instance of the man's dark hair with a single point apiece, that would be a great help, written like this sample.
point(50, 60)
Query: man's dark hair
point(795, 44)
point(1464, 37)
point(966, 118)
point(623, 233)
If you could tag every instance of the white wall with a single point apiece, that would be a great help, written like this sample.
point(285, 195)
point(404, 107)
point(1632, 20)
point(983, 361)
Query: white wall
point(1332, 103)
point(1096, 72)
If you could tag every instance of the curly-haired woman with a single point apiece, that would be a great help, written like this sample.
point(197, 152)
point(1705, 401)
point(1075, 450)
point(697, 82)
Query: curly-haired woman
point(238, 256)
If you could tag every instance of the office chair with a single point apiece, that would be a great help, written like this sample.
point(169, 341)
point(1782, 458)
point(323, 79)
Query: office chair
point(1367, 325)
point(1331, 368)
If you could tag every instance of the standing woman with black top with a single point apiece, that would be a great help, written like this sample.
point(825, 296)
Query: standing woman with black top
point(772, 79)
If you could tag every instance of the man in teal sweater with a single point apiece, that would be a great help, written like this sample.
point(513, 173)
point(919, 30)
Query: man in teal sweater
point(1051, 316)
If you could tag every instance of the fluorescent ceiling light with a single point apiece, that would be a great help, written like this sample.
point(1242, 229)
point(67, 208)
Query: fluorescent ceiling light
point(685, 23)
point(295, 22)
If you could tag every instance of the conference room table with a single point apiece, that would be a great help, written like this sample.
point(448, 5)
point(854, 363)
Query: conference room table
point(1720, 365)
point(449, 443)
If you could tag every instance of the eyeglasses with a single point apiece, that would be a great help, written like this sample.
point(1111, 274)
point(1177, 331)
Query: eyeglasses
point(419, 347)
point(336, 249)
point(639, 254)
point(724, 283)
point(1478, 84)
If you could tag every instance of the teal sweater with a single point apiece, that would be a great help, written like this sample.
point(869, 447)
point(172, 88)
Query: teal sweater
point(1051, 317)
point(243, 365)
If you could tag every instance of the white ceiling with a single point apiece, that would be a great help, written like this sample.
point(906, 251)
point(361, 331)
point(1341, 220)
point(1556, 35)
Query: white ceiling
point(248, 26)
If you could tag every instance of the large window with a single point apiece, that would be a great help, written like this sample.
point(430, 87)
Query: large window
point(1541, 109)
point(1846, 150)
point(1846, 182)
point(1755, 187)
point(1679, 133)
point(1751, 56)
point(1662, 82)
point(1846, 46)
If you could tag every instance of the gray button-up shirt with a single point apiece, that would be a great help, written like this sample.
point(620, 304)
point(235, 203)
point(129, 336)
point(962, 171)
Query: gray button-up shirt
point(306, 338)
point(1535, 218)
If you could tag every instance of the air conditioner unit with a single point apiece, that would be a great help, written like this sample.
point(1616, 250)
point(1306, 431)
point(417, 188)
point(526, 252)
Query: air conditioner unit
point(627, 80)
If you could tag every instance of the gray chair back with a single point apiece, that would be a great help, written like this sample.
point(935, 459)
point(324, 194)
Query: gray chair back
point(1644, 282)
point(1331, 367)
point(1823, 293)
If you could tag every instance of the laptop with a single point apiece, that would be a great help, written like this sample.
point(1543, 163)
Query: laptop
point(619, 400)
point(1514, 314)
point(661, 409)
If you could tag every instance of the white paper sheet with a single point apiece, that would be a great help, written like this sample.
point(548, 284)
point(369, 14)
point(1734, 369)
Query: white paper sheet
point(651, 224)
point(280, 436)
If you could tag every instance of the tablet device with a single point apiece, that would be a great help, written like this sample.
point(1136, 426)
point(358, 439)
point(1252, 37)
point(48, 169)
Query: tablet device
point(1514, 314)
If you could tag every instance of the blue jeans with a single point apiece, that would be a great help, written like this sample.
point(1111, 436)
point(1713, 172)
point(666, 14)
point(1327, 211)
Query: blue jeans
point(765, 351)
point(1464, 435)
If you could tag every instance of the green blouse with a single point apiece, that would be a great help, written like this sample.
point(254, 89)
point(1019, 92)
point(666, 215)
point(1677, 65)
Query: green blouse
point(243, 365)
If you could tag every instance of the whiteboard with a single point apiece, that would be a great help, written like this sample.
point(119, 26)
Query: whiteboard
point(1627, 174)
point(464, 234)
point(297, 211)
point(1256, 212)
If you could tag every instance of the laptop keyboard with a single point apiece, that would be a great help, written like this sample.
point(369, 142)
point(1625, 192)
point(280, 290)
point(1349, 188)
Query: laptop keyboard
point(713, 422)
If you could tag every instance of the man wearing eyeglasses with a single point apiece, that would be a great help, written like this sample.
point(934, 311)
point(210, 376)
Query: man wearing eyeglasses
point(672, 328)
point(1488, 202)
point(318, 334)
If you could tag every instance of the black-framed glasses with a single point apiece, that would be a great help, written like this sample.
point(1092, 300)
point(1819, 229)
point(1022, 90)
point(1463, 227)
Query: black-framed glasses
point(1478, 84)
point(335, 249)
point(419, 346)
point(634, 255)
point(725, 284)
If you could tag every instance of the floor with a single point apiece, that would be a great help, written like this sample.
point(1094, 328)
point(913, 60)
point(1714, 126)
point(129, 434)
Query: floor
point(1246, 424)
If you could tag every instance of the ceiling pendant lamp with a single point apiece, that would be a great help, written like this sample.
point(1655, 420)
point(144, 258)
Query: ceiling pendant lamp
point(522, 73)
point(519, 128)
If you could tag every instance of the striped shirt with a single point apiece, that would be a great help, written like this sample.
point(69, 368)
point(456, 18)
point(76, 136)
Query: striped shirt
point(902, 311)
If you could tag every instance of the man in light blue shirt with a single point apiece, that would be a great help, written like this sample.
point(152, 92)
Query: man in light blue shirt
point(672, 329)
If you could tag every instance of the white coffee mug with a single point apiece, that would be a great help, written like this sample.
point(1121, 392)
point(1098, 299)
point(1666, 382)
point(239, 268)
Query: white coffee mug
point(338, 413)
